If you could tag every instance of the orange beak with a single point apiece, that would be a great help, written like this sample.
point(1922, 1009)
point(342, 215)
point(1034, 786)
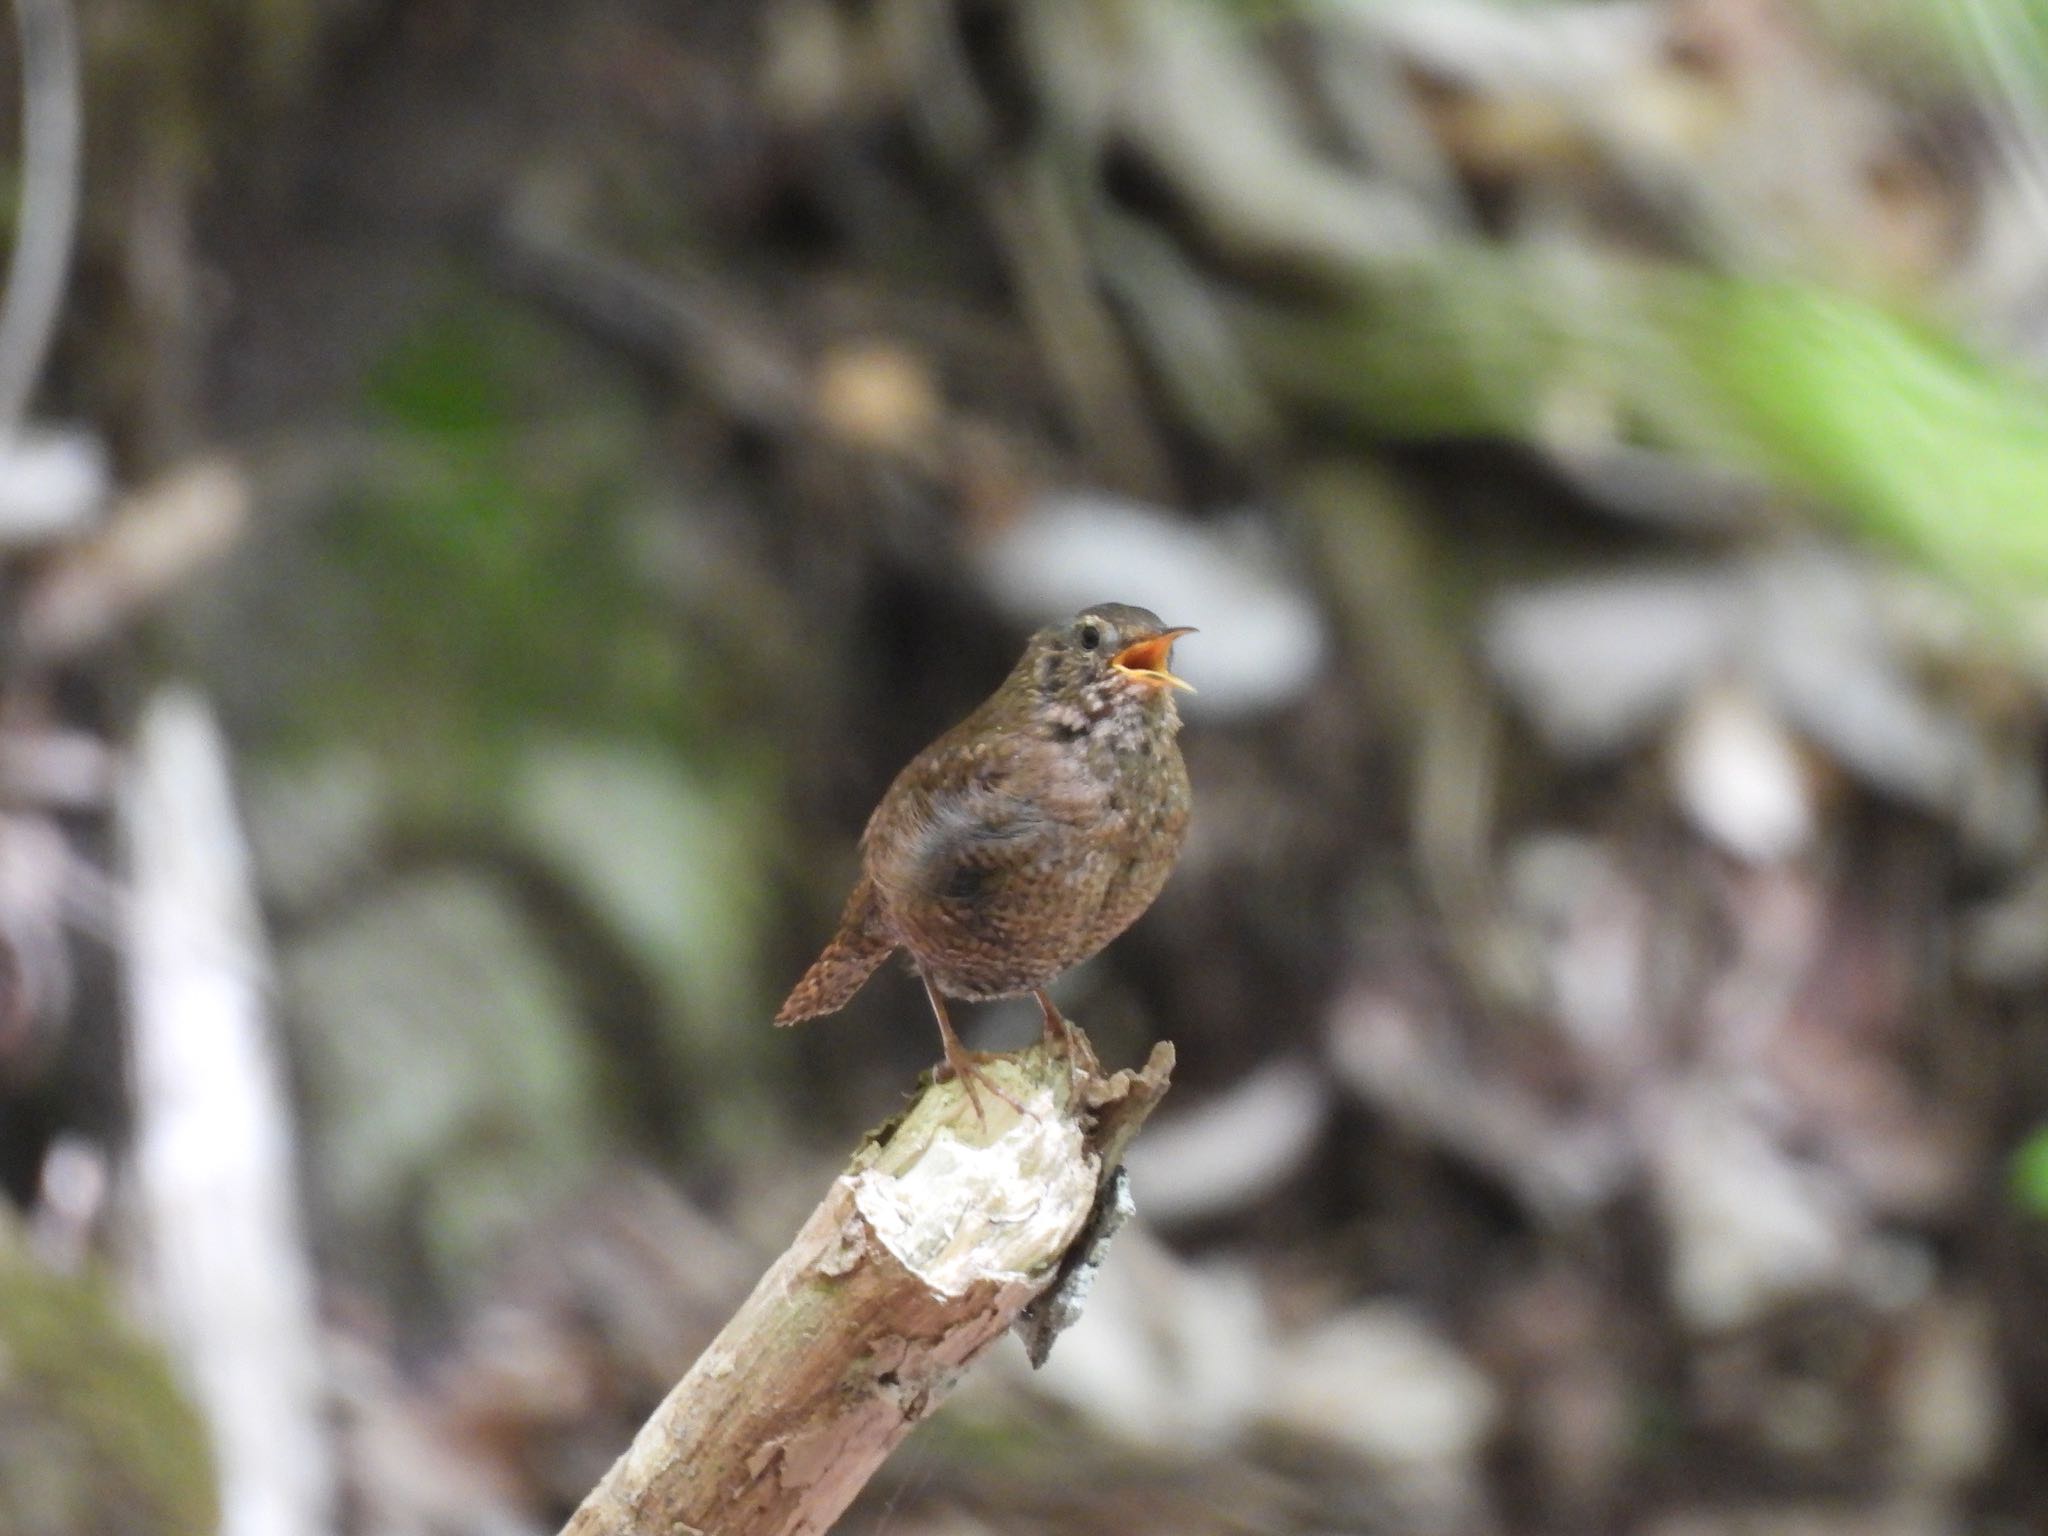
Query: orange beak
point(1148, 659)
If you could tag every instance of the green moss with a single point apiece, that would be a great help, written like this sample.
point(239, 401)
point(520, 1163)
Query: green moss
point(2030, 1173)
point(470, 610)
point(474, 367)
point(475, 577)
point(94, 1434)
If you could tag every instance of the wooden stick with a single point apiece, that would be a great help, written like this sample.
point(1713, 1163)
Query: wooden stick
point(929, 1246)
point(212, 1154)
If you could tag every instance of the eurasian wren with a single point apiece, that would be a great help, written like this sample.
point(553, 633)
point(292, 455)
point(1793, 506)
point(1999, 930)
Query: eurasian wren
point(1028, 836)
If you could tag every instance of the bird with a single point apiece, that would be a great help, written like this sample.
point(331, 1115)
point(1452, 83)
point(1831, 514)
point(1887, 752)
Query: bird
point(1023, 840)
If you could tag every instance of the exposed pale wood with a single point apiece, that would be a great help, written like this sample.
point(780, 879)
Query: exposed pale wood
point(917, 1260)
point(224, 1261)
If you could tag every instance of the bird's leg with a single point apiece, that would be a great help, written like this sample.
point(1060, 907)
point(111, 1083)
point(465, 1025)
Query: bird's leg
point(960, 1061)
point(1059, 1033)
point(1056, 1030)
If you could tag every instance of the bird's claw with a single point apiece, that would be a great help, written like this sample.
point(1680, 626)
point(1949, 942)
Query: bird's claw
point(964, 1068)
point(1082, 1066)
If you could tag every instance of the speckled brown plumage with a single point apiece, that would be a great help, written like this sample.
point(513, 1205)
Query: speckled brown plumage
point(1028, 836)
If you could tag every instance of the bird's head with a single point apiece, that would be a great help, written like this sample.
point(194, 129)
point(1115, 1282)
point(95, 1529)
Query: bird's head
point(1108, 662)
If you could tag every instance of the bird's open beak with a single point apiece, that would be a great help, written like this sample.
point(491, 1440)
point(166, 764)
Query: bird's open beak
point(1147, 660)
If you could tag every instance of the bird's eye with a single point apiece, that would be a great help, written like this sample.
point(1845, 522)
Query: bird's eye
point(1091, 637)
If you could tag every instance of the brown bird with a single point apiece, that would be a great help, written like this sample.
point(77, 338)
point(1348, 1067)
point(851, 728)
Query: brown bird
point(1028, 836)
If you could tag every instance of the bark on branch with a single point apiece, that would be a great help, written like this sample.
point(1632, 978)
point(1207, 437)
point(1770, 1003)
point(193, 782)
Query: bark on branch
point(931, 1244)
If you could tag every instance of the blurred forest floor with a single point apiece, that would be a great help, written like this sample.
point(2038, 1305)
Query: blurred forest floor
point(579, 451)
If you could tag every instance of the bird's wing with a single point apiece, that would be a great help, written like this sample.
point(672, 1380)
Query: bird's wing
point(964, 825)
point(969, 839)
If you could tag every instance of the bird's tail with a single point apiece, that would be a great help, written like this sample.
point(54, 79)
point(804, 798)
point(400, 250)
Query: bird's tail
point(850, 959)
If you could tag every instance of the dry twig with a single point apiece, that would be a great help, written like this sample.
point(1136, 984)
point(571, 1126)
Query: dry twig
point(213, 1161)
point(931, 1244)
point(52, 129)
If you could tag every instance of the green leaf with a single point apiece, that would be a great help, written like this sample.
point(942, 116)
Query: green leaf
point(1901, 430)
point(1874, 418)
point(2030, 1173)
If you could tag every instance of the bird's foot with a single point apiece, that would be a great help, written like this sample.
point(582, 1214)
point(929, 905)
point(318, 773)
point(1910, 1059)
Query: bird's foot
point(960, 1061)
point(961, 1065)
point(1060, 1035)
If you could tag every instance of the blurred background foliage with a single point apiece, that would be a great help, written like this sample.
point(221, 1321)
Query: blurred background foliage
point(1603, 446)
